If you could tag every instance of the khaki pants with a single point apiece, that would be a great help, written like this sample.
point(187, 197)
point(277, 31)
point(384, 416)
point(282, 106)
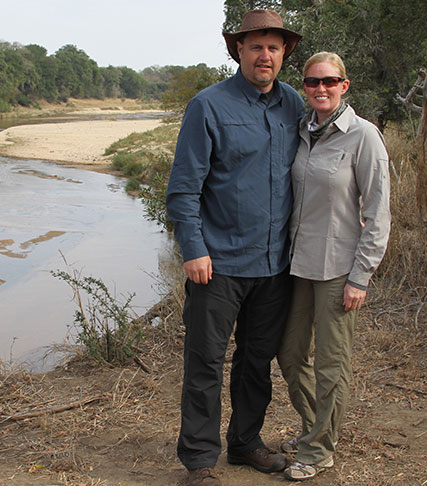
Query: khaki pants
point(318, 392)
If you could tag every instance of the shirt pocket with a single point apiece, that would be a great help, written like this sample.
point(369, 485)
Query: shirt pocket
point(236, 141)
point(330, 162)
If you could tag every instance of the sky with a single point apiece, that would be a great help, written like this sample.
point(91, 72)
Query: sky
point(132, 33)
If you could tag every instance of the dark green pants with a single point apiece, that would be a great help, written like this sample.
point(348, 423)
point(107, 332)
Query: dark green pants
point(318, 390)
point(256, 308)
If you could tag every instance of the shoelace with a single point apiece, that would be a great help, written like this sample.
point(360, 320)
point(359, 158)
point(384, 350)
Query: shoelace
point(207, 473)
point(265, 451)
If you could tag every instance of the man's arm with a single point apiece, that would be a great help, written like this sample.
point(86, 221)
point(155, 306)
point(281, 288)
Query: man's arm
point(190, 169)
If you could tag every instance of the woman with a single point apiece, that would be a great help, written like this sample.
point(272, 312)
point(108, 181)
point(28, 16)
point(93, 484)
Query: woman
point(339, 230)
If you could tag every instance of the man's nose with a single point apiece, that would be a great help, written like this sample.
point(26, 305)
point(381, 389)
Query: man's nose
point(265, 53)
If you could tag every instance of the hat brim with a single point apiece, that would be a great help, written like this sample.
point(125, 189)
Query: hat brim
point(291, 38)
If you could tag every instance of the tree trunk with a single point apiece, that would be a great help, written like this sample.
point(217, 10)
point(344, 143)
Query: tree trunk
point(422, 162)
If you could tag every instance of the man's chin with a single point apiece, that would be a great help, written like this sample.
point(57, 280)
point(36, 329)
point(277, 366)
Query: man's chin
point(264, 81)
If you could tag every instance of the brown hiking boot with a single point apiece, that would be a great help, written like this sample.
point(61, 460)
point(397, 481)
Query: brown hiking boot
point(203, 476)
point(262, 459)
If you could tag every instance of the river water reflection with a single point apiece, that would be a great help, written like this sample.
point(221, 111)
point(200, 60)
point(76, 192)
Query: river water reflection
point(46, 210)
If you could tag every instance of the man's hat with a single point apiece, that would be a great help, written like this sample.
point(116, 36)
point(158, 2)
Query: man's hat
point(261, 20)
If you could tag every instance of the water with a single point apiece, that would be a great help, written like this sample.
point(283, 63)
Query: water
point(13, 122)
point(47, 210)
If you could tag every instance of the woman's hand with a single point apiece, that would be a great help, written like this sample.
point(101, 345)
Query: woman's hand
point(353, 297)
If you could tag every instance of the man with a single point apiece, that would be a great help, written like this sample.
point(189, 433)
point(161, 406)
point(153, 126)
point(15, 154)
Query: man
point(230, 198)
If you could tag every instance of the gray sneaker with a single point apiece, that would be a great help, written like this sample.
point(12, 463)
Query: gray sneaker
point(299, 471)
point(290, 446)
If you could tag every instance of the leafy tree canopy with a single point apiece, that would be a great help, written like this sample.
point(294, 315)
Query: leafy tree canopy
point(187, 83)
point(382, 43)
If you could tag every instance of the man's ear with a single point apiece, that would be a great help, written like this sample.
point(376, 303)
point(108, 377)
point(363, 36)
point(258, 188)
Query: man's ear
point(239, 47)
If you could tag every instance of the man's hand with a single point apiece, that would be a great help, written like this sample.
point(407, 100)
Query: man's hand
point(199, 270)
point(353, 297)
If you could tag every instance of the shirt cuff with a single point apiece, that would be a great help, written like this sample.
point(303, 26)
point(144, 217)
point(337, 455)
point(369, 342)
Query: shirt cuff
point(358, 286)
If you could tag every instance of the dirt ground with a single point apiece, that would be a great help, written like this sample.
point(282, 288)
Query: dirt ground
point(81, 425)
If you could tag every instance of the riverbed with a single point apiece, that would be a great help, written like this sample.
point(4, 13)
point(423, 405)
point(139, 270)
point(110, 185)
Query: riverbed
point(51, 214)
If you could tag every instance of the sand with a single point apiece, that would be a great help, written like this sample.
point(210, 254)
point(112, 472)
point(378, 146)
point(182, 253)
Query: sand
point(76, 142)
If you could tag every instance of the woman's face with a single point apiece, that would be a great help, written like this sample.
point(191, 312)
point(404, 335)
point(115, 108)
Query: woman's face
point(322, 99)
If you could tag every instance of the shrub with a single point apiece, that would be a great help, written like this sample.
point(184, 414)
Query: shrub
point(122, 159)
point(133, 185)
point(4, 106)
point(23, 100)
point(106, 327)
point(133, 168)
point(154, 199)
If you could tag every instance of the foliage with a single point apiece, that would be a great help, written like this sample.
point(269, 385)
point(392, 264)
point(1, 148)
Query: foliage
point(28, 74)
point(235, 9)
point(133, 185)
point(105, 327)
point(131, 83)
point(154, 199)
point(123, 160)
point(154, 151)
point(112, 76)
point(186, 83)
point(381, 57)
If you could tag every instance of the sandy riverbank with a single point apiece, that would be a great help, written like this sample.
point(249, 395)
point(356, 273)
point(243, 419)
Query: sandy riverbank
point(76, 143)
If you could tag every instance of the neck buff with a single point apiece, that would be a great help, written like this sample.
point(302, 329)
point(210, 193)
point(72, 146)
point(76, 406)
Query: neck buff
point(316, 130)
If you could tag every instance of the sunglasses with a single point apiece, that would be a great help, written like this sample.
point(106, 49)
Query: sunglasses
point(329, 81)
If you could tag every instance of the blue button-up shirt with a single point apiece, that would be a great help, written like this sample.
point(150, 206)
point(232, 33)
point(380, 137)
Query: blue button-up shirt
point(229, 193)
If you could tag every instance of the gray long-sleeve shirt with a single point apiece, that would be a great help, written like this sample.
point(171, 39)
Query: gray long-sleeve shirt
point(229, 193)
point(343, 177)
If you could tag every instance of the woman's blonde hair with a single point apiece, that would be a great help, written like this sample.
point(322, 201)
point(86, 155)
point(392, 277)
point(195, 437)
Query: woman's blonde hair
point(330, 57)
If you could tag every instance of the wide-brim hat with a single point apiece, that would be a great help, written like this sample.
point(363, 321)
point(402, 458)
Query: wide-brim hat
point(261, 20)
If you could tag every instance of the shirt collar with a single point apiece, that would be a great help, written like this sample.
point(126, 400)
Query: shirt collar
point(343, 122)
point(252, 94)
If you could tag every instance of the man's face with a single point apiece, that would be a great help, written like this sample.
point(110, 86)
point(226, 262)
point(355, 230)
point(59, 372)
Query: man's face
point(261, 57)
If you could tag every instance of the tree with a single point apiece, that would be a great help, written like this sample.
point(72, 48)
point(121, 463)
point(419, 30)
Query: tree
point(187, 83)
point(378, 40)
point(111, 80)
point(235, 9)
point(419, 91)
point(160, 74)
point(12, 73)
point(77, 75)
point(45, 67)
point(131, 83)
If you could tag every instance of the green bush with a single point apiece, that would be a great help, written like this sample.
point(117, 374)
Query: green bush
point(105, 327)
point(147, 158)
point(154, 200)
point(23, 100)
point(133, 168)
point(133, 185)
point(4, 106)
point(122, 159)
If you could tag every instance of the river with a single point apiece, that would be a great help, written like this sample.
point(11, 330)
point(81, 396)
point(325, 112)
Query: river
point(47, 211)
point(70, 117)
